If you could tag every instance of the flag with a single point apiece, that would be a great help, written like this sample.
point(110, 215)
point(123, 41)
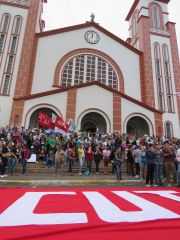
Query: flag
point(177, 94)
point(61, 124)
point(53, 117)
point(90, 213)
point(73, 125)
point(97, 131)
point(45, 120)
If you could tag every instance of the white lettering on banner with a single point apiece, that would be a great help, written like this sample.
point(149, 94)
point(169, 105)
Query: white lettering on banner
point(166, 194)
point(61, 124)
point(21, 212)
point(108, 212)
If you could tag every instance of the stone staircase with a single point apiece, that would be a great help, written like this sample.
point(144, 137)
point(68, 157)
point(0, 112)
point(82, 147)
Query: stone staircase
point(40, 167)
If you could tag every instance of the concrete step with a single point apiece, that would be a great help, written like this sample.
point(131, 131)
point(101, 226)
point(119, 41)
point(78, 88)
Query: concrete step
point(40, 167)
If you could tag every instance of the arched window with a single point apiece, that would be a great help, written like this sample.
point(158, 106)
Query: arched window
point(10, 60)
point(156, 15)
point(160, 90)
point(4, 25)
point(87, 68)
point(17, 25)
point(168, 129)
point(167, 73)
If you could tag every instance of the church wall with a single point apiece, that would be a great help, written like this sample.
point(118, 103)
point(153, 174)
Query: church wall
point(94, 97)
point(52, 48)
point(58, 101)
point(6, 101)
point(173, 118)
point(129, 108)
point(5, 106)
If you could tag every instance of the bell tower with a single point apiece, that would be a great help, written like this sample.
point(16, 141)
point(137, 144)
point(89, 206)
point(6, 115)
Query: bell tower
point(19, 21)
point(152, 33)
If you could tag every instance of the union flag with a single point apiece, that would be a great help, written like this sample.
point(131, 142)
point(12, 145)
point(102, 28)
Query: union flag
point(45, 120)
point(61, 124)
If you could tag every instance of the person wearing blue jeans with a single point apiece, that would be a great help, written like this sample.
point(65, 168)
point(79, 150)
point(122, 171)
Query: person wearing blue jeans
point(118, 162)
point(9, 157)
point(158, 171)
point(150, 156)
point(25, 156)
point(11, 165)
point(89, 157)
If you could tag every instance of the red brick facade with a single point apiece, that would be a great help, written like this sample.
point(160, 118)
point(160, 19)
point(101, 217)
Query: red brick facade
point(116, 112)
point(18, 107)
point(71, 104)
point(158, 124)
point(147, 85)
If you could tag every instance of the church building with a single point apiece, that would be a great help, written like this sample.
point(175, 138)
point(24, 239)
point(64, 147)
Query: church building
point(87, 74)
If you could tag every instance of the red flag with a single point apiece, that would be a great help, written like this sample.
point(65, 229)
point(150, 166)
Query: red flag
point(61, 124)
point(45, 120)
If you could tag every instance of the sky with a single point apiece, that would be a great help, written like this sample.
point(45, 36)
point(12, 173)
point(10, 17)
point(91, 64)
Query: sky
point(110, 14)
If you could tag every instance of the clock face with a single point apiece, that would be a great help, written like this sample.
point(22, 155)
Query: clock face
point(92, 37)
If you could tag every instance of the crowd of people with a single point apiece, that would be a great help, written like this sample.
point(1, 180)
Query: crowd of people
point(154, 160)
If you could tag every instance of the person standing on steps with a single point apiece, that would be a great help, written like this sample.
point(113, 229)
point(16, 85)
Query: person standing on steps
point(71, 152)
point(97, 158)
point(59, 159)
point(25, 156)
point(89, 157)
point(81, 156)
point(118, 162)
point(106, 158)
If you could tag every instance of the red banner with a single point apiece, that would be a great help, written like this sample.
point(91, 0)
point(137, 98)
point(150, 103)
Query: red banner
point(45, 120)
point(90, 213)
point(61, 124)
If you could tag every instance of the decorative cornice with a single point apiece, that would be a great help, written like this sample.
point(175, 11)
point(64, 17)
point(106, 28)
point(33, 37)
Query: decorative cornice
point(159, 33)
point(65, 89)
